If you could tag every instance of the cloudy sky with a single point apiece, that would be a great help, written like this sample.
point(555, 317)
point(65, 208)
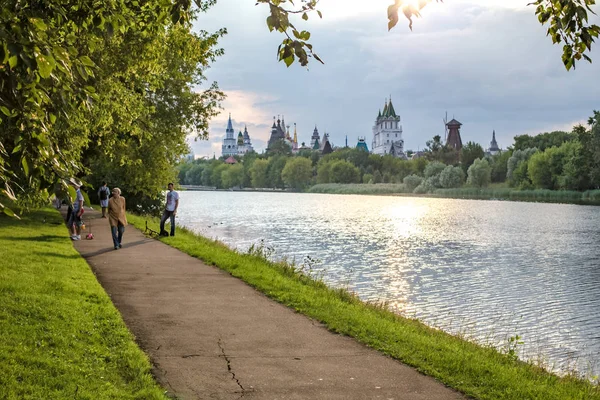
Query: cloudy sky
point(487, 63)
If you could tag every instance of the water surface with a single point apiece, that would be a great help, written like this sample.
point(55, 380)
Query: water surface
point(489, 270)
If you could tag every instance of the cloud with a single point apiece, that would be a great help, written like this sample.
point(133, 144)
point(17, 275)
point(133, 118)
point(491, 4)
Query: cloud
point(489, 64)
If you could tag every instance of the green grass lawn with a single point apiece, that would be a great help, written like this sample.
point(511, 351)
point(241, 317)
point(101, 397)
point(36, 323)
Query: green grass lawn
point(480, 372)
point(60, 335)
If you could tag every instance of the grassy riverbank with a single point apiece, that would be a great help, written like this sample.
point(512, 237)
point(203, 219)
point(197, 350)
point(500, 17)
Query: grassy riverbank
point(590, 197)
point(60, 335)
point(480, 372)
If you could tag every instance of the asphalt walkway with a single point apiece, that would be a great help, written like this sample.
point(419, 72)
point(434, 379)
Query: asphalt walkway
point(211, 336)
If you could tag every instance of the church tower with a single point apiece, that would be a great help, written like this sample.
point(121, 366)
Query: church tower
point(494, 148)
point(387, 132)
point(314, 138)
point(229, 147)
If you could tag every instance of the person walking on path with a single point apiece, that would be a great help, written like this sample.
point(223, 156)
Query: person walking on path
point(103, 195)
point(75, 217)
point(170, 209)
point(116, 217)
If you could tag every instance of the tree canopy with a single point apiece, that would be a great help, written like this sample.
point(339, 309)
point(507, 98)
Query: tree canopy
point(107, 86)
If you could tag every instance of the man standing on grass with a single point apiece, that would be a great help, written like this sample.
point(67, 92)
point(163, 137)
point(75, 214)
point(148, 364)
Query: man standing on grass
point(170, 209)
point(75, 220)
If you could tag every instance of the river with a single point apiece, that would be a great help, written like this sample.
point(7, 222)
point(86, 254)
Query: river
point(486, 270)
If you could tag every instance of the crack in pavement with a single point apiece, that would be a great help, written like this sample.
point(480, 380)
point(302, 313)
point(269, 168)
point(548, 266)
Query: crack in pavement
point(222, 347)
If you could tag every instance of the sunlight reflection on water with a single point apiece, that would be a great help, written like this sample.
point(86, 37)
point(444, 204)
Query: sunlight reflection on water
point(486, 269)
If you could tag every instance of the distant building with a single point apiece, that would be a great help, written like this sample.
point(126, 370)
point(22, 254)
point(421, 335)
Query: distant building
point(494, 148)
point(387, 132)
point(279, 131)
point(362, 144)
point(327, 148)
point(454, 141)
point(231, 160)
point(190, 156)
point(314, 138)
point(233, 146)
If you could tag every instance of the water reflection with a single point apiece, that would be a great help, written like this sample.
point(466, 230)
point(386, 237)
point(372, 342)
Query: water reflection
point(487, 270)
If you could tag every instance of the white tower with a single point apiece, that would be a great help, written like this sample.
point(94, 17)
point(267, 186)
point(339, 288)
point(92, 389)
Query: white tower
point(229, 147)
point(387, 131)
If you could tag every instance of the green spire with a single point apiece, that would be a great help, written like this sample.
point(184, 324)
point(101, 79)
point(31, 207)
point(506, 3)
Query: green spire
point(390, 110)
point(379, 115)
point(385, 109)
point(317, 146)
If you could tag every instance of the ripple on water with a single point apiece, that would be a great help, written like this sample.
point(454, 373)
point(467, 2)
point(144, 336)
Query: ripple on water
point(485, 269)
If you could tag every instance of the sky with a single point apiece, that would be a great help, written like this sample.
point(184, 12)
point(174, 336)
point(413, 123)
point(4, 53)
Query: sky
point(486, 63)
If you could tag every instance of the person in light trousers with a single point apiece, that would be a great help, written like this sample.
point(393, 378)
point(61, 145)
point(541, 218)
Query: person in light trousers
point(116, 217)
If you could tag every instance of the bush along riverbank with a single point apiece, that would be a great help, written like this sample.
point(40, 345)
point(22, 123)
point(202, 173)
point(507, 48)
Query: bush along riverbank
point(590, 197)
point(60, 335)
point(479, 372)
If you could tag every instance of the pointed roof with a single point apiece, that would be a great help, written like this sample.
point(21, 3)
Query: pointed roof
point(295, 134)
point(327, 148)
point(229, 124)
point(379, 115)
point(316, 146)
point(454, 123)
point(231, 160)
point(390, 110)
point(385, 109)
point(316, 132)
point(493, 143)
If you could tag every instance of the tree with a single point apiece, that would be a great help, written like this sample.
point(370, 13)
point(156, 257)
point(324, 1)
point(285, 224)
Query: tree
point(297, 173)
point(275, 168)
point(433, 169)
point(437, 151)
point(499, 166)
point(543, 141)
point(479, 174)
point(194, 175)
point(324, 170)
point(469, 153)
point(258, 173)
point(232, 176)
point(412, 182)
point(516, 173)
point(452, 177)
point(343, 171)
point(279, 147)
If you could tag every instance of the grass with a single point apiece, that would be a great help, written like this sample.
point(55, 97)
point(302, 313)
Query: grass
point(591, 197)
point(358, 188)
point(479, 372)
point(495, 191)
point(60, 335)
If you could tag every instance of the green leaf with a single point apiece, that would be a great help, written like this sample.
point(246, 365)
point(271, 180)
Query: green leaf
point(45, 64)
point(5, 111)
point(9, 212)
point(12, 61)
point(39, 24)
point(85, 60)
point(25, 166)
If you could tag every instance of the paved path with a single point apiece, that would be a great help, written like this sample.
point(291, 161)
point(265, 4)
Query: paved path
point(211, 336)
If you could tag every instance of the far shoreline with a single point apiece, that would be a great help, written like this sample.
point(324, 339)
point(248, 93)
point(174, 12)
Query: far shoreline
point(588, 198)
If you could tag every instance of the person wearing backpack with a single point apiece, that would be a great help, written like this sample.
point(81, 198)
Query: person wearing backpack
point(103, 194)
